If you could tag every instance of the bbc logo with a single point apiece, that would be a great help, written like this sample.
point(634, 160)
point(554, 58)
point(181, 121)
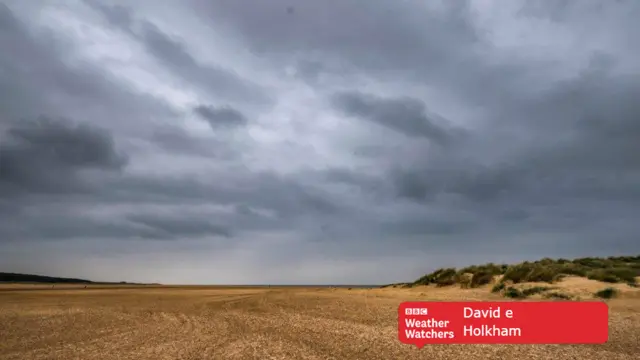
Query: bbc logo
point(416, 311)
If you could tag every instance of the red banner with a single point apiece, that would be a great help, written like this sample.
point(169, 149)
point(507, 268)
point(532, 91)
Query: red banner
point(508, 322)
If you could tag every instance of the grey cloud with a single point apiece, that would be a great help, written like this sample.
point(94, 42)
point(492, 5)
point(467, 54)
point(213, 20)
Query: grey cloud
point(46, 154)
point(173, 52)
point(377, 34)
point(406, 115)
point(180, 226)
point(8, 23)
point(166, 48)
point(221, 116)
point(222, 83)
point(17, 44)
point(286, 196)
point(63, 142)
point(61, 228)
point(537, 149)
point(424, 227)
point(244, 209)
point(578, 140)
point(178, 141)
point(310, 70)
point(436, 44)
point(352, 177)
point(290, 204)
point(117, 15)
point(409, 40)
point(411, 185)
point(557, 11)
point(591, 146)
point(36, 79)
point(35, 220)
point(147, 227)
point(474, 183)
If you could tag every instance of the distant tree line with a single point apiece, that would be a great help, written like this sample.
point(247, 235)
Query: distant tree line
point(13, 277)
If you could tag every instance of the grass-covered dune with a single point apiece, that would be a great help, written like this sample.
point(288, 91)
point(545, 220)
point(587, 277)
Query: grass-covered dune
point(614, 270)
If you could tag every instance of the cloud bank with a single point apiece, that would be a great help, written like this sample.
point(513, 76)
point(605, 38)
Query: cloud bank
point(316, 142)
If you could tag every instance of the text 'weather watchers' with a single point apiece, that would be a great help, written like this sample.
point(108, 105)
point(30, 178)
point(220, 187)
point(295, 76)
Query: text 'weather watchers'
point(422, 323)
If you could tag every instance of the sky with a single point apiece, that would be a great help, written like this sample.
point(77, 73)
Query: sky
point(314, 142)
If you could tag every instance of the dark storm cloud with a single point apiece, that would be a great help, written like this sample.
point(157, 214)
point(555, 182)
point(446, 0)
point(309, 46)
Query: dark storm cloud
point(406, 115)
point(537, 134)
point(579, 141)
point(473, 183)
point(221, 116)
point(56, 158)
point(291, 204)
point(588, 130)
point(602, 111)
point(45, 155)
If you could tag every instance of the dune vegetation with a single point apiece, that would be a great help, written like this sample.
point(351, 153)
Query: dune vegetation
point(503, 278)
